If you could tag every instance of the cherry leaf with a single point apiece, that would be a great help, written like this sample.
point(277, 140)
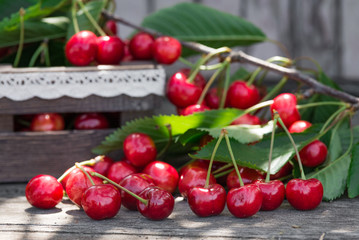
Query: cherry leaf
point(353, 178)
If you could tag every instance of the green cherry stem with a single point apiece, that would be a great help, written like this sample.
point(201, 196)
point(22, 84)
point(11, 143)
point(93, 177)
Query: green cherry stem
point(212, 159)
point(317, 104)
point(222, 101)
point(91, 19)
point(21, 40)
point(331, 118)
point(223, 173)
point(47, 54)
point(228, 165)
point(232, 157)
point(170, 137)
point(36, 54)
point(271, 149)
point(86, 173)
point(74, 16)
point(95, 174)
point(202, 67)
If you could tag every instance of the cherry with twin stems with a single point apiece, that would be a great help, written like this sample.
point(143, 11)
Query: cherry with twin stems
point(285, 105)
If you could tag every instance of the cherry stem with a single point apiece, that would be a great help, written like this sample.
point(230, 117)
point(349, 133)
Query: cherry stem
point(92, 20)
point(228, 165)
point(90, 162)
point(317, 104)
point(331, 118)
point(86, 173)
point(41, 49)
point(271, 150)
point(212, 159)
point(163, 151)
point(202, 67)
point(232, 157)
point(74, 17)
point(21, 40)
point(144, 201)
point(276, 89)
point(223, 173)
point(225, 87)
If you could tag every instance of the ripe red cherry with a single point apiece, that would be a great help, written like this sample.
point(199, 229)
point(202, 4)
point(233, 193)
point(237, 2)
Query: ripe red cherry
point(193, 109)
point(244, 201)
point(193, 177)
point(299, 126)
point(110, 28)
point(81, 49)
point(273, 194)
point(110, 50)
point(313, 154)
point(163, 174)
point(166, 50)
point(160, 203)
point(103, 166)
point(101, 201)
point(140, 46)
point(248, 176)
point(242, 96)
point(139, 149)
point(286, 106)
point(304, 194)
point(247, 119)
point(47, 122)
point(120, 170)
point(64, 180)
point(135, 183)
point(212, 98)
point(89, 121)
point(284, 171)
point(205, 202)
point(44, 191)
point(196, 163)
point(182, 93)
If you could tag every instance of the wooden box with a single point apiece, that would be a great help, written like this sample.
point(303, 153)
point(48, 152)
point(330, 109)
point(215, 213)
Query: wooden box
point(26, 154)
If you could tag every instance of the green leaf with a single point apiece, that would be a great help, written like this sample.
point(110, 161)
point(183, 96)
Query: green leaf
point(191, 136)
point(353, 178)
point(156, 127)
point(335, 148)
point(333, 177)
point(199, 23)
point(256, 156)
point(8, 7)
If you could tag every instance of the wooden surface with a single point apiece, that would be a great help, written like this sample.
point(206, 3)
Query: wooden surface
point(19, 220)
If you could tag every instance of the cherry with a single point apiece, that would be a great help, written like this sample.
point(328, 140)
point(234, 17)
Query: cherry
point(304, 194)
point(102, 167)
point(284, 171)
point(196, 163)
point(110, 50)
point(205, 202)
point(140, 46)
point(81, 48)
point(286, 106)
point(64, 180)
point(182, 93)
point(101, 201)
point(135, 183)
point(247, 119)
point(166, 50)
point(193, 109)
point(242, 96)
point(248, 175)
point(299, 126)
point(127, 54)
point(44, 191)
point(244, 201)
point(164, 175)
point(47, 122)
point(313, 154)
point(89, 121)
point(139, 149)
point(193, 177)
point(212, 99)
point(160, 203)
point(110, 28)
point(273, 194)
point(120, 170)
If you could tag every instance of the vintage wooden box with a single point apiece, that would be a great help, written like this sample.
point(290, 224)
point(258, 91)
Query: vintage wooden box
point(130, 91)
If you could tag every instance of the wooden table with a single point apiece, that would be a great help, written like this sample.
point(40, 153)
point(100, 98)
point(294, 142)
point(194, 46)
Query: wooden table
point(18, 220)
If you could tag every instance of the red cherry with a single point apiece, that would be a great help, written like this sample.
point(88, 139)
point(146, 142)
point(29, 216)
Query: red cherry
point(196, 163)
point(212, 98)
point(313, 154)
point(244, 201)
point(81, 49)
point(47, 122)
point(64, 180)
point(120, 170)
point(139, 149)
point(193, 177)
point(299, 126)
point(160, 203)
point(164, 175)
point(193, 109)
point(182, 93)
point(304, 194)
point(110, 50)
point(135, 183)
point(101, 201)
point(248, 176)
point(44, 191)
point(242, 96)
point(110, 28)
point(89, 121)
point(273, 194)
point(166, 50)
point(127, 54)
point(103, 166)
point(205, 202)
point(140, 46)
point(247, 119)
point(284, 171)
point(286, 106)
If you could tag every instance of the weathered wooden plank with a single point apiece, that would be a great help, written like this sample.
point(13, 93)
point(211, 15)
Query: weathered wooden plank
point(6, 123)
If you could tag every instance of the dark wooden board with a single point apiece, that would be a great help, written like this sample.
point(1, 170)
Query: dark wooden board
point(18, 220)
